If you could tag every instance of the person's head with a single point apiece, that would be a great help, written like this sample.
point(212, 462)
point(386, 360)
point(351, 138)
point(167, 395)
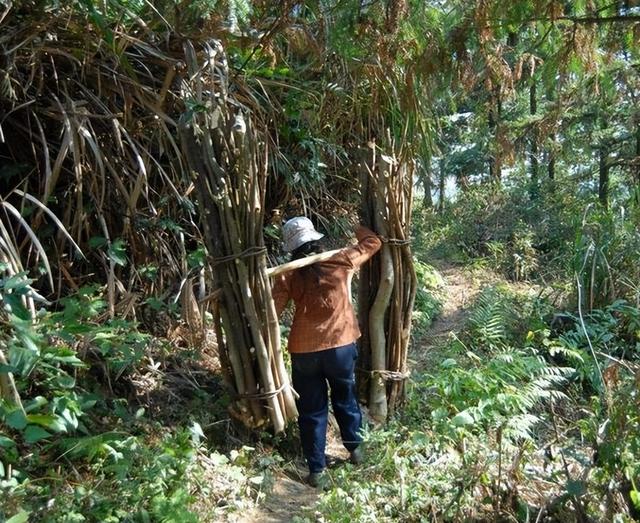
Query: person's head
point(300, 236)
point(306, 249)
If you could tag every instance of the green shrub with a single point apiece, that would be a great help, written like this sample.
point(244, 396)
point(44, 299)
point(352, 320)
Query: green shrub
point(466, 417)
point(73, 455)
point(605, 260)
point(428, 296)
point(604, 349)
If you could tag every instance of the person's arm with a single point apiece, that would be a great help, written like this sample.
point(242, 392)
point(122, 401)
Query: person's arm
point(368, 244)
point(280, 292)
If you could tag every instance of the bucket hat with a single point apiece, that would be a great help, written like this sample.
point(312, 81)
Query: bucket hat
point(298, 231)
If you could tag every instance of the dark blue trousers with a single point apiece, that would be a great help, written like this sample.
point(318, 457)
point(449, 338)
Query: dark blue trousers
point(311, 373)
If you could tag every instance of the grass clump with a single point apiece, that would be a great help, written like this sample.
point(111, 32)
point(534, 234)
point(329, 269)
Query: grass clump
point(428, 303)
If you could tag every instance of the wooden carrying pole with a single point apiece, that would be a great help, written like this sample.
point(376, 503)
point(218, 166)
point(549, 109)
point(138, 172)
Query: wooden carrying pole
point(302, 262)
point(228, 167)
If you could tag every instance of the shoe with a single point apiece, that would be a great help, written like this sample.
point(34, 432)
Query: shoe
point(356, 456)
point(315, 479)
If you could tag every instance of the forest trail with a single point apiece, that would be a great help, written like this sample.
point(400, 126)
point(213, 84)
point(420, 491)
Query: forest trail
point(290, 496)
point(461, 286)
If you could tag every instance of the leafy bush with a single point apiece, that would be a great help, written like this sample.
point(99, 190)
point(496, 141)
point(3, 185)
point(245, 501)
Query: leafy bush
point(78, 452)
point(605, 260)
point(523, 237)
point(557, 234)
point(443, 456)
point(45, 360)
point(613, 431)
point(121, 477)
point(604, 349)
point(594, 342)
point(488, 384)
point(428, 296)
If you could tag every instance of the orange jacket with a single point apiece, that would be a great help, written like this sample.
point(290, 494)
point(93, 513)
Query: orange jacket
point(324, 317)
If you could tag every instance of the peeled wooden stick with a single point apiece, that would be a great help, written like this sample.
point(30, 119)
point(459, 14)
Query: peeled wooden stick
point(380, 344)
point(302, 262)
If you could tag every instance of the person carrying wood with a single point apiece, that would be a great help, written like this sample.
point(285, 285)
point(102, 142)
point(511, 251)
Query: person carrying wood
point(322, 341)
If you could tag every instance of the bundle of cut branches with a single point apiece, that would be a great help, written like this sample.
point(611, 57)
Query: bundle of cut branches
point(228, 165)
point(388, 288)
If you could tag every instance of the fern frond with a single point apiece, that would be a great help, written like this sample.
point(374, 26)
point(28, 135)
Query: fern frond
point(489, 319)
point(520, 427)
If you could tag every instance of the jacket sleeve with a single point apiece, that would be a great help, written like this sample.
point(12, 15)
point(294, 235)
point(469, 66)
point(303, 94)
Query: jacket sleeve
point(368, 244)
point(280, 293)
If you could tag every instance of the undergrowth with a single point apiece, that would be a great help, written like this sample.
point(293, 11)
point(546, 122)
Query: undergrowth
point(512, 425)
point(559, 235)
point(428, 302)
point(111, 430)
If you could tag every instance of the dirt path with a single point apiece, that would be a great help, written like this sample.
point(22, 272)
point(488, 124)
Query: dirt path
point(291, 496)
point(461, 287)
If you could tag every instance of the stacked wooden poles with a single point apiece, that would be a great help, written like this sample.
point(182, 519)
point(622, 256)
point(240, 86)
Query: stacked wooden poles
point(228, 168)
point(388, 288)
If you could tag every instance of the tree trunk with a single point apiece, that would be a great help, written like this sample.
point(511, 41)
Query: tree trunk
point(495, 110)
point(533, 155)
point(441, 187)
point(551, 155)
point(427, 186)
point(603, 179)
point(637, 165)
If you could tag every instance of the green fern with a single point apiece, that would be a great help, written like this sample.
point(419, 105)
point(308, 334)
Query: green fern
point(489, 319)
point(520, 427)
